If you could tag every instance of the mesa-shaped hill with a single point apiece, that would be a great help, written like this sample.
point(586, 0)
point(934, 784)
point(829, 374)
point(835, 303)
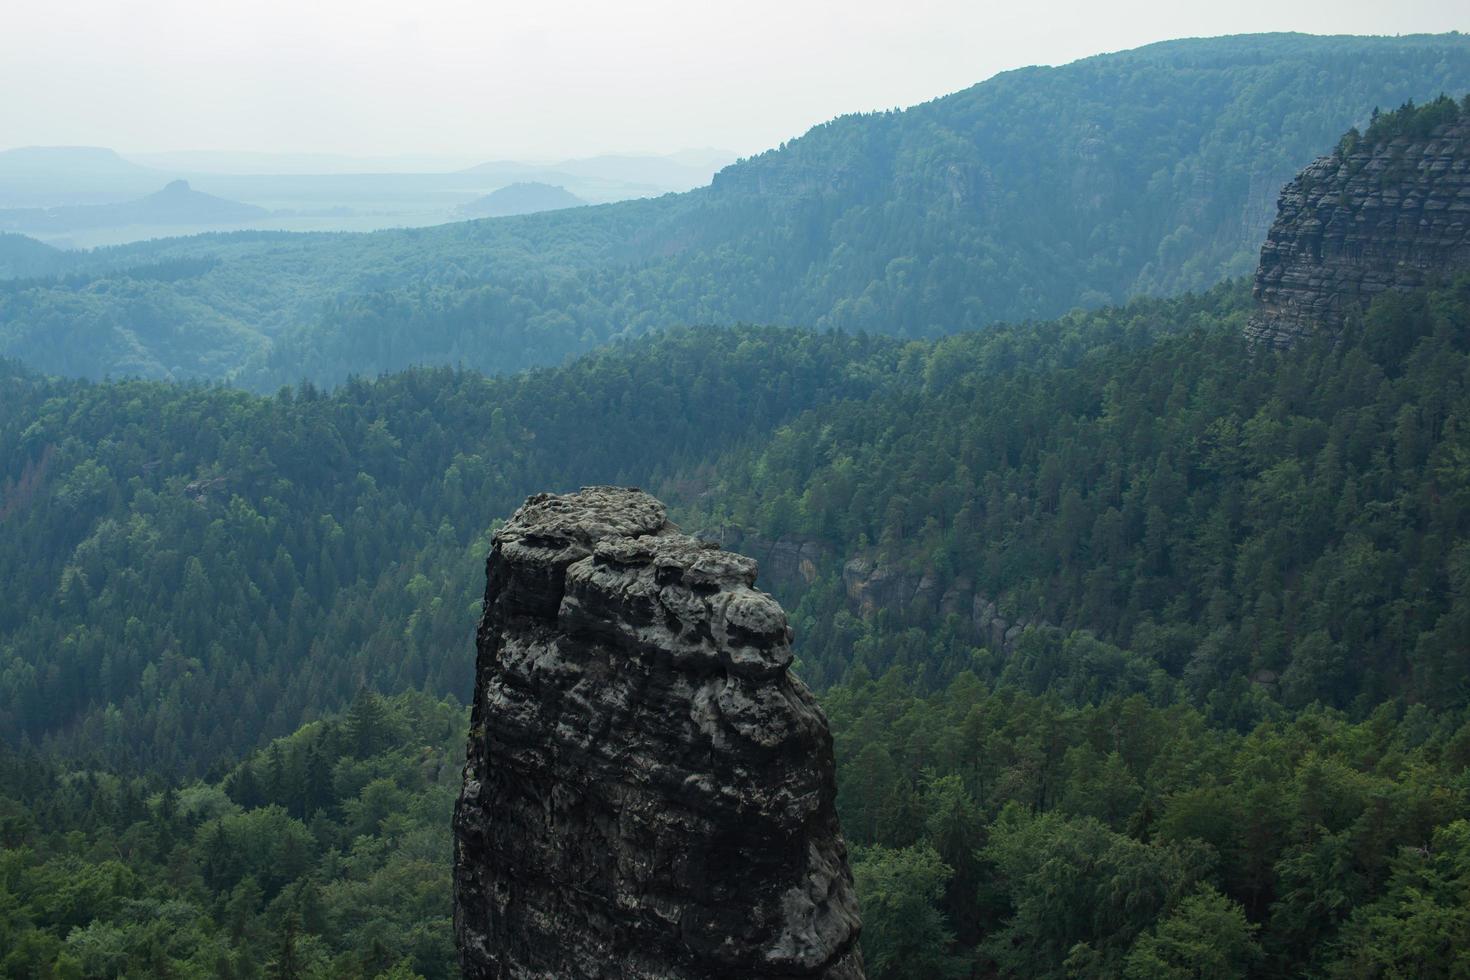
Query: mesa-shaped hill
point(54, 176)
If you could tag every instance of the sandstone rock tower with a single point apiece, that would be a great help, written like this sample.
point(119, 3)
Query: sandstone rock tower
point(648, 792)
point(1379, 214)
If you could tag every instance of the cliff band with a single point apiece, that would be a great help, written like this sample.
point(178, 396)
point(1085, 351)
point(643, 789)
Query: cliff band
point(1391, 214)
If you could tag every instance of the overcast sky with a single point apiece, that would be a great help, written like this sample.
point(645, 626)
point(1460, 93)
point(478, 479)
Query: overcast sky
point(552, 78)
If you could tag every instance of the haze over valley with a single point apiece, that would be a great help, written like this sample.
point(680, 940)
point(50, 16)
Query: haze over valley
point(83, 197)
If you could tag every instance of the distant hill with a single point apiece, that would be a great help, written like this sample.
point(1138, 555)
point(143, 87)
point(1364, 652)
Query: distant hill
point(676, 172)
point(179, 203)
point(522, 198)
point(321, 192)
point(681, 171)
point(176, 204)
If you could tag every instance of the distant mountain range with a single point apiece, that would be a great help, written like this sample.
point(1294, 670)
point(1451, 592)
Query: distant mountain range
point(318, 192)
point(671, 171)
point(1151, 171)
point(303, 192)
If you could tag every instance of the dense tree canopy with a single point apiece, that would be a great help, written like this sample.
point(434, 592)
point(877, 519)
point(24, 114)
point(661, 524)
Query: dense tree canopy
point(191, 568)
point(318, 857)
point(1233, 741)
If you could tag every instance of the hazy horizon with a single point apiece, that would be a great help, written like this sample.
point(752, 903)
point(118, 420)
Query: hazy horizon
point(281, 163)
point(464, 82)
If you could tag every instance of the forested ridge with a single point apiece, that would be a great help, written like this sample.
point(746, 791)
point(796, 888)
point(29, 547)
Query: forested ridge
point(1233, 741)
point(1250, 521)
point(1040, 190)
point(194, 567)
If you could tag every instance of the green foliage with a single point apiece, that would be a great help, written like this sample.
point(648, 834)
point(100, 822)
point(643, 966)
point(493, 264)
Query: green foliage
point(1414, 122)
point(907, 937)
point(21, 257)
point(1237, 528)
point(208, 888)
point(1070, 881)
point(1207, 936)
point(1233, 739)
point(1315, 845)
point(192, 569)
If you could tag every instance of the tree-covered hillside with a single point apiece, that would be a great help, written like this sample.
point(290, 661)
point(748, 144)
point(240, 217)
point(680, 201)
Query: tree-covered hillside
point(190, 569)
point(327, 855)
point(1231, 742)
point(21, 257)
point(1037, 191)
point(1263, 528)
point(1284, 528)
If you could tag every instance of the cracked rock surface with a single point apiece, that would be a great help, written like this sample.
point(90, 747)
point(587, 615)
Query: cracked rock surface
point(648, 792)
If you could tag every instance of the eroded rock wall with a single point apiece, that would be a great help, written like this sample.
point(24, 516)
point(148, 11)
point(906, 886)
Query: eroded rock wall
point(1389, 215)
point(871, 586)
point(649, 792)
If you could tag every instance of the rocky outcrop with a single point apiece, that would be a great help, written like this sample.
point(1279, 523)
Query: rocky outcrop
point(649, 792)
point(1388, 214)
point(872, 586)
point(788, 564)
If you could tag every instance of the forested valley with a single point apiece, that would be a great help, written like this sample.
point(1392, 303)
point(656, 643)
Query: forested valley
point(1232, 739)
point(1145, 650)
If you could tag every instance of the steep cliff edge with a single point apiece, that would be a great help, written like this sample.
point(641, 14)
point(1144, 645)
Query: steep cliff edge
point(649, 792)
point(1390, 210)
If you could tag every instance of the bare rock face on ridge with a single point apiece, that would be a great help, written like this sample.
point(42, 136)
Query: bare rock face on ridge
point(1393, 214)
point(649, 792)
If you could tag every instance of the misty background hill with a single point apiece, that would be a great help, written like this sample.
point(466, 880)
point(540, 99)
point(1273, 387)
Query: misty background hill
point(176, 204)
point(304, 192)
point(1040, 190)
point(61, 162)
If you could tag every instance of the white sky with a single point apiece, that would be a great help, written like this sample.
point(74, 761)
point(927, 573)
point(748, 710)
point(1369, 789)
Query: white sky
point(553, 78)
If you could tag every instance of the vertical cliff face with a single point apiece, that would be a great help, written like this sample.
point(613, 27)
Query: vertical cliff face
point(1389, 214)
point(649, 792)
